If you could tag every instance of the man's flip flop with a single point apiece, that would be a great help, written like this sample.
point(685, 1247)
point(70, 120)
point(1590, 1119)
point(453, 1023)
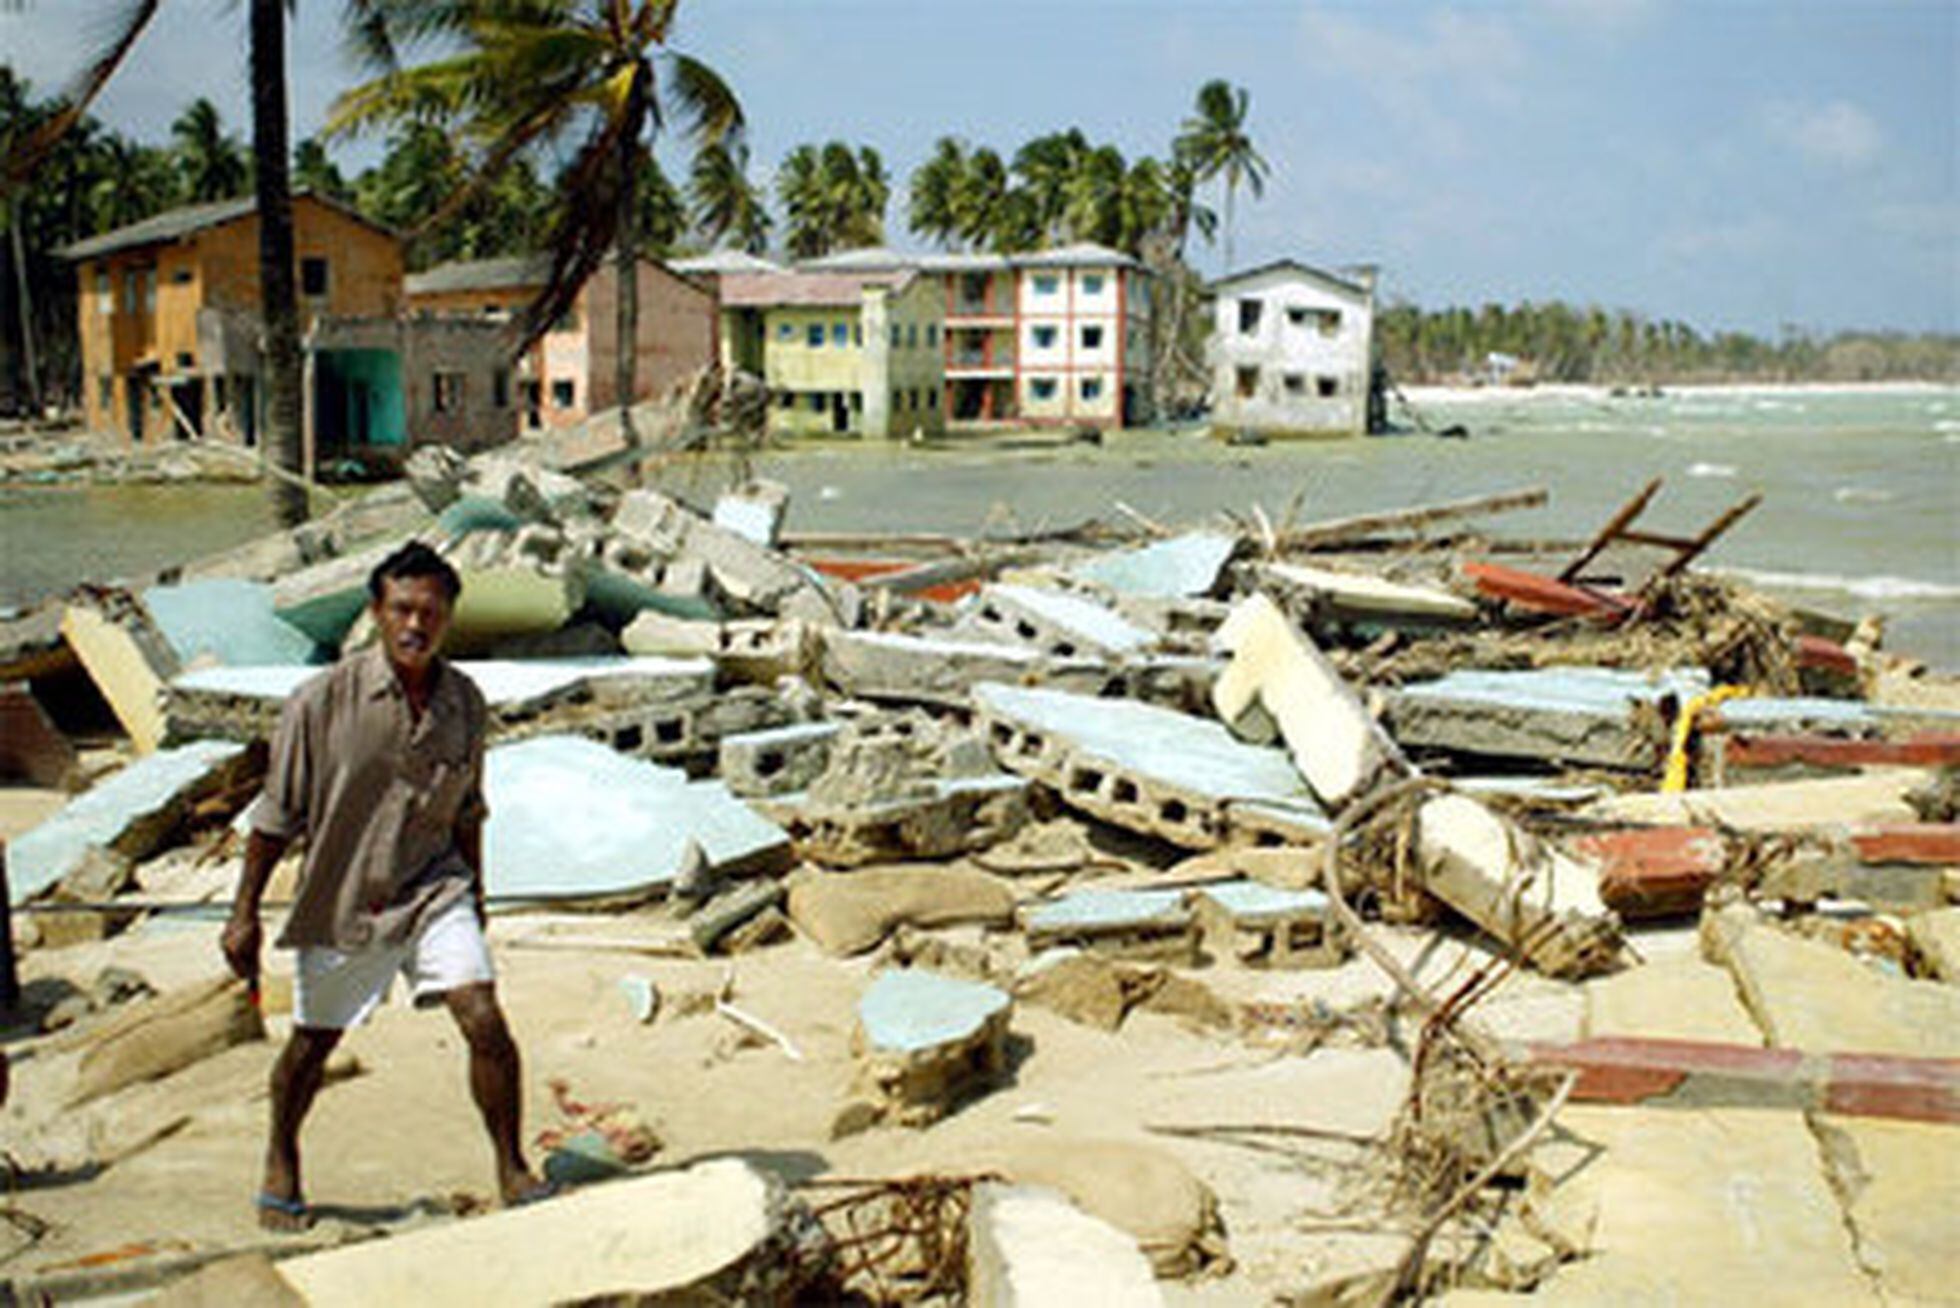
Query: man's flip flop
point(293, 1208)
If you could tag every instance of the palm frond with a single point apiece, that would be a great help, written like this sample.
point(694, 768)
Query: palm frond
point(126, 25)
point(703, 101)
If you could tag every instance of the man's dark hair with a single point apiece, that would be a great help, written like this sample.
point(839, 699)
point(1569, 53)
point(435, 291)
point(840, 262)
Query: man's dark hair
point(415, 560)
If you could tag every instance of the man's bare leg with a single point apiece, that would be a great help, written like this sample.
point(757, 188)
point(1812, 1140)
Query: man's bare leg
point(296, 1080)
point(495, 1083)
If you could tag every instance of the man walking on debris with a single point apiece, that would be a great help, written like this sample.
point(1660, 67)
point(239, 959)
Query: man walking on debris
point(379, 763)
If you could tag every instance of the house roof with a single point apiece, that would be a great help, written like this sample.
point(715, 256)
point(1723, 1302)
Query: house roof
point(1338, 285)
point(511, 273)
point(724, 262)
point(813, 289)
point(176, 224)
point(879, 257)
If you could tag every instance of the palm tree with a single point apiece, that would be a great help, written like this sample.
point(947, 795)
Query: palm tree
point(1216, 144)
point(278, 288)
point(518, 75)
point(984, 207)
point(662, 217)
point(832, 197)
point(1044, 166)
point(314, 170)
point(723, 201)
point(932, 210)
point(132, 181)
point(211, 160)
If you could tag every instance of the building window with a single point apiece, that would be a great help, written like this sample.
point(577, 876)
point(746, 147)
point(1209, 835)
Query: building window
point(105, 294)
point(932, 336)
point(1092, 338)
point(132, 281)
point(500, 388)
point(932, 398)
point(105, 392)
point(1047, 284)
point(1330, 321)
point(563, 393)
point(185, 359)
point(1092, 283)
point(1044, 337)
point(1249, 311)
point(813, 336)
point(313, 276)
point(785, 331)
point(1091, 388)
point(1296, 315)
point(840, 334)
point(182, 277)
point(1042, 388)
point(1327, 386)
point(911, 336)
point(857, 401)
point(895, 338)
point(857, 333)
point(446, 392)
point(1295, 383)
point(817, 402)
point(150, 291)
point(1248, 383)
point(786, 399)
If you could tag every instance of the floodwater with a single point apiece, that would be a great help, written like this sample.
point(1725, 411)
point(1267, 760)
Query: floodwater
point(1861, 509)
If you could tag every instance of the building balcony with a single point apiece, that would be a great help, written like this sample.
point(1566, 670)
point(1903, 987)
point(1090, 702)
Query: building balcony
point(978, 368)
point(979, 313)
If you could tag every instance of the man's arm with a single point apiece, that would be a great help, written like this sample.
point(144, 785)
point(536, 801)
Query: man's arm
point(242, 934)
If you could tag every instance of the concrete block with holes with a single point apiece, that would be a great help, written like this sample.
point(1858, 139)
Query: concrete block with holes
point(1056, 623)
point(894, 667)
point(778, 761)
point(1149, 769)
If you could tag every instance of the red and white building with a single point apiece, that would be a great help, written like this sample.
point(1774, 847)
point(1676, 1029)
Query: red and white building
point(1056, 336)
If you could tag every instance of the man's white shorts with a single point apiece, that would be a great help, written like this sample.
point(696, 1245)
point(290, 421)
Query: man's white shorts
point(335, 989)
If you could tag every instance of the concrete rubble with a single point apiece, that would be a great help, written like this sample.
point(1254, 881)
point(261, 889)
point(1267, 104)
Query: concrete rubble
point(1265, 907)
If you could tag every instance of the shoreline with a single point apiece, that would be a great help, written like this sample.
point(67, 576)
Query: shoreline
point(1596, 391)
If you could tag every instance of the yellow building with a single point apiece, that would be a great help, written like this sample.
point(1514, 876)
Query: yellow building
point(842, 354)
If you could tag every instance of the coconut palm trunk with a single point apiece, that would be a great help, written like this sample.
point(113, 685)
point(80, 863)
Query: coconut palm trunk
point(627, 297)
point(278, 297)
point(24, 302)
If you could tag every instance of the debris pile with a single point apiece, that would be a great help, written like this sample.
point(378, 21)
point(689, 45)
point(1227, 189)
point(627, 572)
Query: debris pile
point(1294, 802)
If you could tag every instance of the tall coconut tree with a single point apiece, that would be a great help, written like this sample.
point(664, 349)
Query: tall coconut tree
point(1217, 145)
point(515, 76)
point(210, 160)
point(1045, 167)
point(833, 197)
point(723, 202)
point(314, 170)
point(931, 209)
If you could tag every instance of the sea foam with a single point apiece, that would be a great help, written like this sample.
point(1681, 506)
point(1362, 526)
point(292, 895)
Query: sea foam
point(1871, 588)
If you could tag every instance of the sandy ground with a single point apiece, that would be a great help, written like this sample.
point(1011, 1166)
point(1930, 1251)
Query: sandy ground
point(392, 1145)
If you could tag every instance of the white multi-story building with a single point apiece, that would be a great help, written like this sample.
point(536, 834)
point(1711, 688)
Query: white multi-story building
point(1057, 336)
point(1292, 351)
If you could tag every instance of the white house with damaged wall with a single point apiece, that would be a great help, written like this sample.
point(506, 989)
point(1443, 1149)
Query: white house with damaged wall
point(1292, 351)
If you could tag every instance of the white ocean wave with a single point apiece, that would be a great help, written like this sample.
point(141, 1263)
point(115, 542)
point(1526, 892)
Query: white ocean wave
point(1861, 495)
point(1872, 588)
point(1949, 425)
point(1711, 470)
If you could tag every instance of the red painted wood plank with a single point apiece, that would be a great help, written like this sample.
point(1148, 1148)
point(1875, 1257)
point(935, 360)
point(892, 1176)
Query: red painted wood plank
point(1542, 594)
point(1930, 751)
point(1929, 843)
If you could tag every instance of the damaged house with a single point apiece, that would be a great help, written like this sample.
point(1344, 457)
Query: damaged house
point(172, 341)
point(1292, 351)
point(567, 375)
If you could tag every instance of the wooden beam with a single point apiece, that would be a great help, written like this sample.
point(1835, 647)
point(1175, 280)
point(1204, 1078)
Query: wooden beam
point(1367, 524)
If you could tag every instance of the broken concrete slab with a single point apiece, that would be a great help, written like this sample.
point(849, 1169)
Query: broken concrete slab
point(754, 511)
point(515, 583)
point(1155, 924)
point(241, 1279)
point(778, 761)
point(444, 480)
point(127, 657)
point(1098, 990)
point(226, 621)
point(1900, 1186)
point(710, 1233)
point(1934, 937)
point(1811, 996)
point(1872, 798)
point(926, 1042)
point(850, 912)
point(166, 1034)
point(944, 816)
point(1058, 624)
point(324, 600)
point(1146, 768)
point(1263, 926)
point(1182, 567)
point(572, 819)
point(1601, 717)
point(889, 665)
point(1522, 892)
point(31, 644)
point(743, 576)
point(1730, 759)
point(1825, 718)
point(1335, 744)
point(1363, 601)
point(133, 812)
point(1029, 1247)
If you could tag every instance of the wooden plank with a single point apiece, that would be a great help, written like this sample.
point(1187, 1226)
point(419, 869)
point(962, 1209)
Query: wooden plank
point(1367, 524)
point(1541, 594)
point(1614, 526)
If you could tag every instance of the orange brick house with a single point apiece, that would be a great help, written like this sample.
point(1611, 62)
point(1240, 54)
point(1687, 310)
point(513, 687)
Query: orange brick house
point(568, 374)
point(171, 338)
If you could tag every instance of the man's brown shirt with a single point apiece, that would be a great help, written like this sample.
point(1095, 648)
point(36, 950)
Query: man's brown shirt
point(378, 795)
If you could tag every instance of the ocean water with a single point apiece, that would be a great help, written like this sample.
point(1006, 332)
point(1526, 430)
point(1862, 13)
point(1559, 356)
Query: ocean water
point(1861, 509)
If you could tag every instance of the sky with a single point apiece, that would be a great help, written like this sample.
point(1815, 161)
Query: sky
point(1735, 164)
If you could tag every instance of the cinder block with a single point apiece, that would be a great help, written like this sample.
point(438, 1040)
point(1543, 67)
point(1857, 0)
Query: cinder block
point(1056, 623)
point(779, 761)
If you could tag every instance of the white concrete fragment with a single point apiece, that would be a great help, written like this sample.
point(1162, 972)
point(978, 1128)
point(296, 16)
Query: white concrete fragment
point(634, 1240)
point(1361, 594)
point(1029, 1247)
point(1336, 745)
